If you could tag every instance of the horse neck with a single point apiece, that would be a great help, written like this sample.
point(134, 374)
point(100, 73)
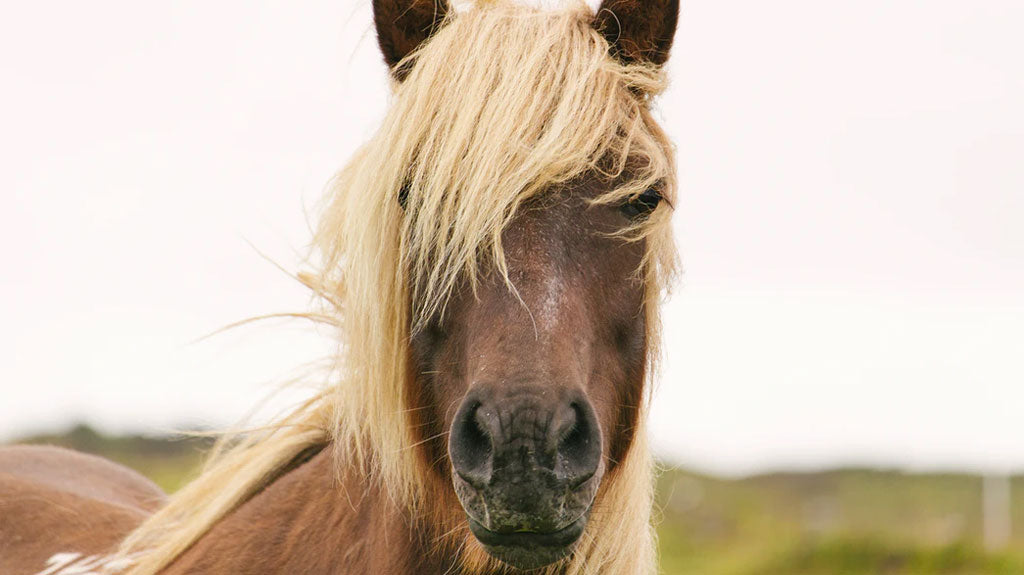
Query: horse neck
point(310, 521)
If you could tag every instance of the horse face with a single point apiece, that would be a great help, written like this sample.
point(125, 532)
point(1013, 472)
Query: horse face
point(538, 386)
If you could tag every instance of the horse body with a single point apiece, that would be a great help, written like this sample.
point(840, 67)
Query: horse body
point(311, 521)
point(58, 505)
point(493, 257)
point(55, 500)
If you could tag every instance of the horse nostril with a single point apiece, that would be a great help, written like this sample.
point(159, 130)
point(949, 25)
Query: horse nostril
point(470, 444)
point(574, 438)
point(579, 447)
point(478, 440)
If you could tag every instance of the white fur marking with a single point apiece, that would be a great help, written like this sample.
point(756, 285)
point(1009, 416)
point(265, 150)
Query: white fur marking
point(551, 306)
point(59, 561)
point(76, 564)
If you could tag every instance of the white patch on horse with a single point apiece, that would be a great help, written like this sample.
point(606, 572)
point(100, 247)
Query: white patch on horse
point(58, 561)
point(71, 563)
point(550, 310)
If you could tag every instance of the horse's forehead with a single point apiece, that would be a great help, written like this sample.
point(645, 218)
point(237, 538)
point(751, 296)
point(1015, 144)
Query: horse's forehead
point(562, 227)
point(561, 254)
point(538, 242)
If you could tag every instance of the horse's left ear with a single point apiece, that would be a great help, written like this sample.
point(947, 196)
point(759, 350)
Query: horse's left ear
point(638, 30)
point(402, 25)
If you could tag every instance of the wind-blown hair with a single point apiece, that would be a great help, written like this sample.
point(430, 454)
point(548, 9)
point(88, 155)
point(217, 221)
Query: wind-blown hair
point(502, 104)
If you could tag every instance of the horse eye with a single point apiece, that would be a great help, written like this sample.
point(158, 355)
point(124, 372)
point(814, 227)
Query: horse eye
point(642, 205)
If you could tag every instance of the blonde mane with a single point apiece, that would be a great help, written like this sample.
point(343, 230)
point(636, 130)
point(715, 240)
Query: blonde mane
point(502, 104)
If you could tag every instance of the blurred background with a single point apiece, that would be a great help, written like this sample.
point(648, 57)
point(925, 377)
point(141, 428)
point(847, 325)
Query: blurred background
point(844, 371)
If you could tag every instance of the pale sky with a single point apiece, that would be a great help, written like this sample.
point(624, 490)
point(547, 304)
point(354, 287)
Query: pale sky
point(851, 220)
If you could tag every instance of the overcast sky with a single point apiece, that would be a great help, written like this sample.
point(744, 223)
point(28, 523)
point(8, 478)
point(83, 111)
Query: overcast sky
point(851, 222)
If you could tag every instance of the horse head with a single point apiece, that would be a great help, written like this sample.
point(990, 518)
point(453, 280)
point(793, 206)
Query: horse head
point(533, 365)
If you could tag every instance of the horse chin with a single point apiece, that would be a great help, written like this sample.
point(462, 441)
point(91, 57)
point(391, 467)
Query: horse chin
point(529, 550)
point(532, 523)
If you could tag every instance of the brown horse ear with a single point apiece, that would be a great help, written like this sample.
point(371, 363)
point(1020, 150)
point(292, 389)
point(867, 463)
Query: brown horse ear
point(402, 25)
point(638, 30)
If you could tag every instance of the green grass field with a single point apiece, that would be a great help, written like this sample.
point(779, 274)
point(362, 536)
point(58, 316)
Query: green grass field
point(841, 522)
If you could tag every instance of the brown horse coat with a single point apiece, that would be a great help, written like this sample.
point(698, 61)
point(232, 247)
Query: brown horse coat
point(305, 522)
point(51, 494)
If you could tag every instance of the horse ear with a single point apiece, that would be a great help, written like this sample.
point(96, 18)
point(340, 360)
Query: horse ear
point(638, 30)
point(402, 25)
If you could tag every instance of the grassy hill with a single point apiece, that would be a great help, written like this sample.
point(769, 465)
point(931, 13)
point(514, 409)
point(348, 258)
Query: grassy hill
point(840, 522)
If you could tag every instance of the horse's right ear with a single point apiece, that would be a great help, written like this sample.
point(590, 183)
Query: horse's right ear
point(402, 25)
point(638, 30)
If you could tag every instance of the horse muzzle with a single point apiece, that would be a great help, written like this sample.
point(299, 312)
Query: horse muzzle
point(526, 472)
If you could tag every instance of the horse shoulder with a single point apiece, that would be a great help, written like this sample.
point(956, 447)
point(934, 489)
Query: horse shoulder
point(310, 521)
point(55, 501)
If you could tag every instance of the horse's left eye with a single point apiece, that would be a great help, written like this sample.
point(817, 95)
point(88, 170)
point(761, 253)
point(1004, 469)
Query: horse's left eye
point(642, 205)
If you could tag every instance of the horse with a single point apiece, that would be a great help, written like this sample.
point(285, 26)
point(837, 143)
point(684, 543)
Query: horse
point(492, 261)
